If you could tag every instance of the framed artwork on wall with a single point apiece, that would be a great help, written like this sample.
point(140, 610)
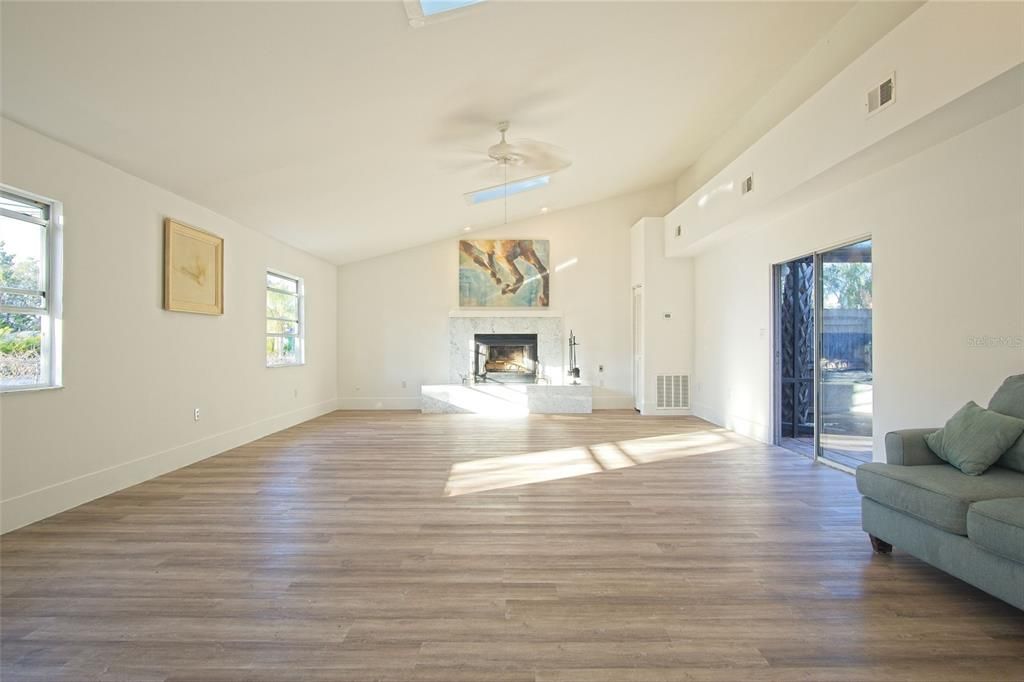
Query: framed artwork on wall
point(193, 270)
point(504, 273)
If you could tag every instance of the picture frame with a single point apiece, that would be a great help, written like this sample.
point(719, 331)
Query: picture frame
point(504, 273)
point(193, 269)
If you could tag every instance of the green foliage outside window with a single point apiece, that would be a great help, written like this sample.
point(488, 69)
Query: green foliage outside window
point(846, 285)
point(20, 333)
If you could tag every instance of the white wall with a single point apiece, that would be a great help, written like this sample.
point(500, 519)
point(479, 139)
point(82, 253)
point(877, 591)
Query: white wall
point(948, 231)
point(393, 310)
point(825, 140)
point(133, 372)
point(666, 288)
point(859, 28)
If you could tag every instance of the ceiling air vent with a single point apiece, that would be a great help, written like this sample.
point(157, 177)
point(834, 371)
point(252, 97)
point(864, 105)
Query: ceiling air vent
point(673, 391)
point(882, 95)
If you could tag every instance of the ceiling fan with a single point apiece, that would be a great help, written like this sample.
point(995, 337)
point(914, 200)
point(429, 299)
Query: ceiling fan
point(532, 154)
point(520, 161)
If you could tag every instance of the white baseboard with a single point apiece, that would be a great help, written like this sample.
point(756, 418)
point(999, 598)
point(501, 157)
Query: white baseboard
point(350, 403)
point(666, 413)
point(38, 504)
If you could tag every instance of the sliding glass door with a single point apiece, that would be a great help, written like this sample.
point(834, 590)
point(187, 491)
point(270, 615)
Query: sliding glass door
point(844, 354)
point(823, 368)
point(794, 355)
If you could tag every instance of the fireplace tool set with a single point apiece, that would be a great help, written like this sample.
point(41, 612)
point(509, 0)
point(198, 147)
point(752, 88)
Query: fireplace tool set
point(574, 370)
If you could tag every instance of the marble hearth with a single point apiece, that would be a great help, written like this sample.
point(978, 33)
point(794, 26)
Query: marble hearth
point(506, 400)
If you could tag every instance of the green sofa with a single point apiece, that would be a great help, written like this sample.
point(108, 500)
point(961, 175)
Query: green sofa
point(972, 527)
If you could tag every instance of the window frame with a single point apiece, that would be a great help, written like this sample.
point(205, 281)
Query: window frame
point(300, 337)
point(51, 264)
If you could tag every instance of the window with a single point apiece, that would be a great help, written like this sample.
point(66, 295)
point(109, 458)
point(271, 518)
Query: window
point(423, 12)
point(501, 191)
point(284, 320)
point(29, 291)
point(432, 7)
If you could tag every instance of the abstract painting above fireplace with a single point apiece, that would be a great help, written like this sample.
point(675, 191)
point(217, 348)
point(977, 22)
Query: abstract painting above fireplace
point(504, 273)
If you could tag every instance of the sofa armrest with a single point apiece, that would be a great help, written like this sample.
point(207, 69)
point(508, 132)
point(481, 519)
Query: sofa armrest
point(907, 448)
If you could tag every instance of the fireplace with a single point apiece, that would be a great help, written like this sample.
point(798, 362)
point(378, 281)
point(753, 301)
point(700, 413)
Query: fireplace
point(505, 358)
point(466, 328)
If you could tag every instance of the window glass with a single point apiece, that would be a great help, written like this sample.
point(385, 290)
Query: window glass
point(284, 320)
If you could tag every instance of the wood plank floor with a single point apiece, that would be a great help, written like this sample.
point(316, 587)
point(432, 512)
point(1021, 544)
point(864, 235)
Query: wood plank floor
point(400, 546)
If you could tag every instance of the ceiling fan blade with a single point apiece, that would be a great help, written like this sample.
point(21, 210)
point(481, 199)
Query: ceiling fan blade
point(486, 174)
point(465, 160)
point(542, 155)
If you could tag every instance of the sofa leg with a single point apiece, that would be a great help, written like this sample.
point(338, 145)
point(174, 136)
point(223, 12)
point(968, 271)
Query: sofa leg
point(880, 546)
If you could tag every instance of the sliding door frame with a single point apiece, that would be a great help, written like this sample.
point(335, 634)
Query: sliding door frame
point(819, 327)
point(776, 351)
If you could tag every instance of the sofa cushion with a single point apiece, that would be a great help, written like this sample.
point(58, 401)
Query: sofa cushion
point(936, 493)
point(998, 526)
point(974, 438)
point(1014, 457)
point(1009, 400)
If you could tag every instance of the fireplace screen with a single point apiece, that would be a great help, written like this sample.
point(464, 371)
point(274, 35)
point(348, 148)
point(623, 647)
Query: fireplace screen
point(505, 358)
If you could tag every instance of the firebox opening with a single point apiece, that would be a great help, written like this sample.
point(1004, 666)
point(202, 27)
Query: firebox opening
point(505, 358)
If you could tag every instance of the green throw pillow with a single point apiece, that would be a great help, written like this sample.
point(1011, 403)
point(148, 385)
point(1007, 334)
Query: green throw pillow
point(1009, 400)
point(974, 438)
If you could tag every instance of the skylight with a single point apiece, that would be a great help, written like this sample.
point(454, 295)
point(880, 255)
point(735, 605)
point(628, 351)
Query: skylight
point(500, 191)
point(432, 7)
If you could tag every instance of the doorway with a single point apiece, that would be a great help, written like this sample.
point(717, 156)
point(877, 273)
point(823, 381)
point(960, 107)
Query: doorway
point(638, 349)
point(823, 369)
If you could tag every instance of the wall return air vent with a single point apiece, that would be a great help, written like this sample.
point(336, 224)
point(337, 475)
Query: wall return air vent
point(882, 95)
point(673, 391)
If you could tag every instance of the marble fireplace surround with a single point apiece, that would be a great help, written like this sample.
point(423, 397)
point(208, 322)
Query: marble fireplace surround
point(464, 325)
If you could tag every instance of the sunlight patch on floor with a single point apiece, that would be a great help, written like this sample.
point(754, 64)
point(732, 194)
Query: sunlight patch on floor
point(495, 473)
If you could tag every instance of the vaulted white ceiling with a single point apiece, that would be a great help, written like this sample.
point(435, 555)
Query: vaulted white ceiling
point(339, 129)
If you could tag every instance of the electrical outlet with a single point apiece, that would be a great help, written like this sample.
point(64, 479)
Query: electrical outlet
point(196, 414)
point(403, 384)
